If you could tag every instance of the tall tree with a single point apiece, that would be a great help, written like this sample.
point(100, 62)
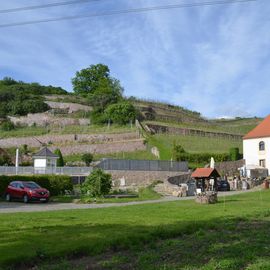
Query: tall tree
point(88, 80)
point(60, 161)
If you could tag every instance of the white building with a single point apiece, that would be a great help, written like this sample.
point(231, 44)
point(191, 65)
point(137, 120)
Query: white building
point(45, 161)
point(256, 146)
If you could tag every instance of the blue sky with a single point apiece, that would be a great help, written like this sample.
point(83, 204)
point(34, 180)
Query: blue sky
point(212, 59)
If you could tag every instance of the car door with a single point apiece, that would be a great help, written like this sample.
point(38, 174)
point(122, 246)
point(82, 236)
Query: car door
point(16, 193)
point(12, 189)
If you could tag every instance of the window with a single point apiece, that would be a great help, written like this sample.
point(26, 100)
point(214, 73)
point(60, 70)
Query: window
point(262, 146)
point(262, 162)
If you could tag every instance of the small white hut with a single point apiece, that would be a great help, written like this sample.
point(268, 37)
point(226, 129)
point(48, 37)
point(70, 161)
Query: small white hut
point(45, 161)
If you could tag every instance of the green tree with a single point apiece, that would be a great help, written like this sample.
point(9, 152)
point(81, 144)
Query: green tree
point(177, 152)
point(121, 113)
point(88, 80)
point(234, 154)
point(98, 86)
point(60, 161)
point(97, 184)
point(87, 158)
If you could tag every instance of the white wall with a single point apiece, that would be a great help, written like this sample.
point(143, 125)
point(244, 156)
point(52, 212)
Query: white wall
point(252, 155)
point(40, 163)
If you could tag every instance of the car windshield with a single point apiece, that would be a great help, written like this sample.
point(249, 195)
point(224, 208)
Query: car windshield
point(31, 185)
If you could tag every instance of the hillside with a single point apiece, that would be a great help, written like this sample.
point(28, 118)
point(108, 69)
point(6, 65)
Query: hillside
point(65, 116)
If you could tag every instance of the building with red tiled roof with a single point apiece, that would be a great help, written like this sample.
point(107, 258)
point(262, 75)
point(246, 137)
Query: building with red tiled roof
point(256, 145)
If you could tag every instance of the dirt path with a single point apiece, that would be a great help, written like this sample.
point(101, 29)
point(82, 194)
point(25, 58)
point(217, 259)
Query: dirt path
point(15, 207)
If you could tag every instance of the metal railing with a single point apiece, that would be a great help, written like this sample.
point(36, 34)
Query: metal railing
point(143, 165)
point(34, 170)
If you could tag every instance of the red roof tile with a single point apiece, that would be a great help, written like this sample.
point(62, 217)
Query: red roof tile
point(205, 173)
point(262, 130)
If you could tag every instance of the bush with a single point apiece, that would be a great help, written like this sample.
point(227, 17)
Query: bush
point(87, 158)
point(121, 113)
point(97, 184)
point(7, 125)
point(56, 184)
point(202, 157)
point(234, 154)
point(60, 161)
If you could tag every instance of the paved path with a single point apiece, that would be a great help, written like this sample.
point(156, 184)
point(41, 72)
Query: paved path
point(14, 207)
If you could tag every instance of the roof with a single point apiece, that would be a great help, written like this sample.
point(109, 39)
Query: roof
point(45, 152)
point(205, 173)
point(261, 131)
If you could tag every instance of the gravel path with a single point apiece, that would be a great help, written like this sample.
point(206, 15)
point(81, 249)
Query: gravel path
point(14, 207)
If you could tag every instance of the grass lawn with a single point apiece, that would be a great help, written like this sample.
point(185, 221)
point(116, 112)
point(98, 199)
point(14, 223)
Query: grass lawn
point(192, 144)
point(140, 154)
point(143, 194)
point(233, 234)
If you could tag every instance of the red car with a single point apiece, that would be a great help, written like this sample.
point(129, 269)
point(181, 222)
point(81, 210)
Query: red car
point(26, 191)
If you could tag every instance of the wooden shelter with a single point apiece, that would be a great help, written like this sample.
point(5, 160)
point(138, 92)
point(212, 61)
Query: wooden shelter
point(206, 179)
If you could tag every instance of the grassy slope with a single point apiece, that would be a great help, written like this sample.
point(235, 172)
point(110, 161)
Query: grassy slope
point(233, 234)
point(76, 129)
point(192, 144)
point(241, 126)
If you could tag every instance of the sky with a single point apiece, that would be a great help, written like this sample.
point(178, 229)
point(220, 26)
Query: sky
point(211, 59)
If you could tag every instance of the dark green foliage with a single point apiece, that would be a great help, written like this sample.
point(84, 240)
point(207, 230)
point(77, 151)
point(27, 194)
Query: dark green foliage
point(108, 92)
point(19, 98)
point(234, 154)
point(88, 80)
point(97, 184)
point(7, 125)
point(177, 151)
point(101, 90)
point(121, 113)
point(60, 161)
point(87, 158)
point(5, 160)
point(56, 184)
point(202, 157)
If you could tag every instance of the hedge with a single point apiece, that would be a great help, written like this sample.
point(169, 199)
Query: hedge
point(56, 184)
point(202, 157)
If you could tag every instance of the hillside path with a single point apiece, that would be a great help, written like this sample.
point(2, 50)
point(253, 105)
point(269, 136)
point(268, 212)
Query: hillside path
point(15, 207)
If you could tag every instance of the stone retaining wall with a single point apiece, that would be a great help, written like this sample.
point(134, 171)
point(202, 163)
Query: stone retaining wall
point(67, 139)
point(140, 178)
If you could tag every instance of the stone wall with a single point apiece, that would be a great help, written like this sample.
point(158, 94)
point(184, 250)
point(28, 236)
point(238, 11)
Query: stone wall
point(67, 139)
point(140, 178)
point(191, 132)
point(229, 167)
point(45, 119)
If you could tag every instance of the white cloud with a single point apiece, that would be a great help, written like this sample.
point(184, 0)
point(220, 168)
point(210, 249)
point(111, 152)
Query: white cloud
point(210, 59)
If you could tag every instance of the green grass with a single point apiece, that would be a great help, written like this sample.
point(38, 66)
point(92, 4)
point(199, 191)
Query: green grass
point(240, 127)
point(192, 144)
point(75, 129)
point(140, 154)
point(143, 194)
point(230, 235)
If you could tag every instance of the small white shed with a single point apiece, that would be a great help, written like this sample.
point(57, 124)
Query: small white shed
point(45, 161)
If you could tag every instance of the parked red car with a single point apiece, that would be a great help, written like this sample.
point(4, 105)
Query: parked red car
point(26, 191)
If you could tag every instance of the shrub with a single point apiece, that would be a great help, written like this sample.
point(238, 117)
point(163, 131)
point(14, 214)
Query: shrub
point(202, 157)
point(60, 161)
point(121, 113)
point(87, 158)
point(56, 184)
point(7, 125)
point(97, 184)
point(234, 154)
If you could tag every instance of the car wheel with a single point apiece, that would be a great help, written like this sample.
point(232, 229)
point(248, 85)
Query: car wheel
point(8, 197)
point(25, 198)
